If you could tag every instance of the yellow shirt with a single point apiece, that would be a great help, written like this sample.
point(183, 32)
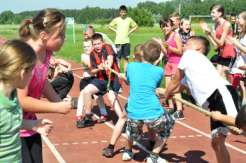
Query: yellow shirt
point(122, 27)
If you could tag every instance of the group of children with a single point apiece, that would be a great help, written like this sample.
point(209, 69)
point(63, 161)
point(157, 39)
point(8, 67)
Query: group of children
point(23, 81)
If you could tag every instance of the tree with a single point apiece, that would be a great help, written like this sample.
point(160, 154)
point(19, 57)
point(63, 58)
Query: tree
point(7, 17)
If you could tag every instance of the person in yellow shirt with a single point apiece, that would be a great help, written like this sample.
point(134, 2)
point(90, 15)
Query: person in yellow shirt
point(123, 26)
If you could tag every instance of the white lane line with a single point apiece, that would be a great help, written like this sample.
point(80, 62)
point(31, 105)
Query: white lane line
point(181, 123)
point(207, 135)
point(53, 150)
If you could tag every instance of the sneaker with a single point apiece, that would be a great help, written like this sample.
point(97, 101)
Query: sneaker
point(127, 155)
point(108, 152)
point(80, 123)
point(178, 115)
point(155, 159)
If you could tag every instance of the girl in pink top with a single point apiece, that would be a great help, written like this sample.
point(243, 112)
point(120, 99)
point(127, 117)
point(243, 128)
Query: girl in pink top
point(44, 33)
point(223, 29)
point(173, 46)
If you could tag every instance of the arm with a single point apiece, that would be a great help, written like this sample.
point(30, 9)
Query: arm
point(175, 83)
point(229, 120)
point(30, 104)
point(133, 29)
point(220, 42)
point(112, 24)
point(42, 126)
point(178, 49)
point(50, 93)
point(237, 43)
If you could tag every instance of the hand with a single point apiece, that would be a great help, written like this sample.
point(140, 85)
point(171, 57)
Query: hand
point(101, 66)
point(65, 107)
point(205, 27)
point(216, 115)
point(231, 40)
point(44, 126)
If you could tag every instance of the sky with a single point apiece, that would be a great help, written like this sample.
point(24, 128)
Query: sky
point(17, 6)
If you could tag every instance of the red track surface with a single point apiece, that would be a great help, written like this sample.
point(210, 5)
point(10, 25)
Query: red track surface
point(184, 145)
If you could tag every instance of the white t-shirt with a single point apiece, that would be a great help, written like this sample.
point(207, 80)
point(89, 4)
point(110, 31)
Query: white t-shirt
point(240, 60)
point(86, 59)
point(201, 76)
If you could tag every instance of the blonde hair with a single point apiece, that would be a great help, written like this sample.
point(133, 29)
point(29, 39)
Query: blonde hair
point(138, 52)
point(15, 55)
point(243, 15)
point(45, 20)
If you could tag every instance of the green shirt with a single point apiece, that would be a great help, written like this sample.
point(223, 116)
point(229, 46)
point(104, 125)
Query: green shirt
point(10, 124)
point(122, 26)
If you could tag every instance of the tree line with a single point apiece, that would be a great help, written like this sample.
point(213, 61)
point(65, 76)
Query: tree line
point(145, 13)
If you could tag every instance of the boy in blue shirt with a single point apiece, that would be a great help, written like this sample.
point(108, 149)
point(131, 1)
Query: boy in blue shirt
point(143, 104)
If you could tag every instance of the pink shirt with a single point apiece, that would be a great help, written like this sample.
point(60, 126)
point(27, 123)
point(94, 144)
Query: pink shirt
point(171, 56)
point(35, 88)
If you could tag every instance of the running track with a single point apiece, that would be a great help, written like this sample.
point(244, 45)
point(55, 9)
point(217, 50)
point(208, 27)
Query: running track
point(189, 142)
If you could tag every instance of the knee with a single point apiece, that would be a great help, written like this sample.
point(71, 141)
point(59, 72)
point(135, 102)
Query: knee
point(218, 141)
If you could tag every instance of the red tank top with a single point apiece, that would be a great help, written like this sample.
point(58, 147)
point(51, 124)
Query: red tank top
point(227, 50)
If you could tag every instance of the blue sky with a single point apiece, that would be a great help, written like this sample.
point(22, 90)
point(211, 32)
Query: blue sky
point(27, 5)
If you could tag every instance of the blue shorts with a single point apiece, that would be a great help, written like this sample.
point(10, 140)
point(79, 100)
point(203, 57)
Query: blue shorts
point(102, 85)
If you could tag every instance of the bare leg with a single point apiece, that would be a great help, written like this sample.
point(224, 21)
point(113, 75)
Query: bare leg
point(222, 154)
point(167, 80)
point(80, 108)
point(121, 115)
point(89, 90)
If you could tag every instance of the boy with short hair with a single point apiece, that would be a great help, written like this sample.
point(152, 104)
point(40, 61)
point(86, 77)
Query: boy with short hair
point(123, 26)
point(143, 105)
point(208, 88)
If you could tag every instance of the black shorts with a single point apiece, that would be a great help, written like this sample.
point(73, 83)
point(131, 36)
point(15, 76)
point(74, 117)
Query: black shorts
point(222, 61)
point(103, 84)
point(85, 81)
point(123, 50)
point(225, 103)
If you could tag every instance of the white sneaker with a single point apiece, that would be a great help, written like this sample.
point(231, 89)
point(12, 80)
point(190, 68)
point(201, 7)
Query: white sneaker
point(155, 159)
point(127, 155)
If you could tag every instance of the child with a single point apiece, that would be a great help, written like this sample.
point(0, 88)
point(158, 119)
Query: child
point(185, 31)
point(87, 77)
point(143, 104)
point(123, 26)
point(173, 45)
point(62, 78)
point(44, 33)
point(208, 88)
point(17, 60)
point(138, 53)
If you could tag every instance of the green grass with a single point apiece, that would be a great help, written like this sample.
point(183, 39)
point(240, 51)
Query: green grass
point(72, 51)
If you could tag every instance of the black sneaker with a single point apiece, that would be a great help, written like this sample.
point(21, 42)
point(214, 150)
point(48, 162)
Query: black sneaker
point(80, 123)
point(108, 152)
point(178, 115)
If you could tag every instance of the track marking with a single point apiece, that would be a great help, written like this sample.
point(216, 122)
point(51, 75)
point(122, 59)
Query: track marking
point(53, 150)
point(181, 123)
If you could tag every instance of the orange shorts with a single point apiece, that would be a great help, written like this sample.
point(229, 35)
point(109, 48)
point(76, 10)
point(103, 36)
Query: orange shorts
point(170, 68)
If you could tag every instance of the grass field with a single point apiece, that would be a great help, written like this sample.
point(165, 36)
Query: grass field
point(72, 51)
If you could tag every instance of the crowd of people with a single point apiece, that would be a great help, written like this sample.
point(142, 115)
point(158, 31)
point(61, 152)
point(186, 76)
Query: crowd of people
point(30, 71)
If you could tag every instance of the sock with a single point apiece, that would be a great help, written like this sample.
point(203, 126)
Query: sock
point(110, 146)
